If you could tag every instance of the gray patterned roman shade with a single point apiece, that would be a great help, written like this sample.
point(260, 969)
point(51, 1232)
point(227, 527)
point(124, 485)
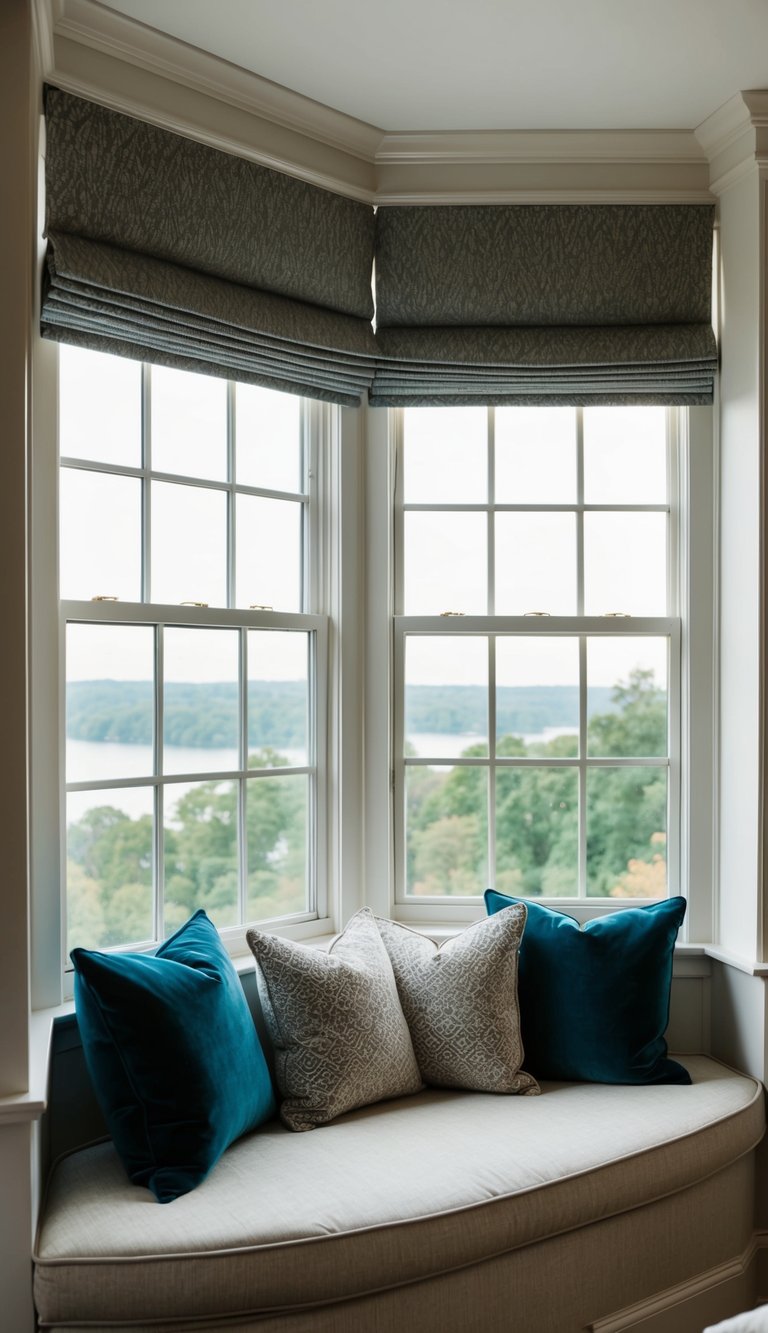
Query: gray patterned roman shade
point(163, 249)
point(599, 303)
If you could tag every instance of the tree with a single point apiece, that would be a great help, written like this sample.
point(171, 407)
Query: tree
point(537, 809)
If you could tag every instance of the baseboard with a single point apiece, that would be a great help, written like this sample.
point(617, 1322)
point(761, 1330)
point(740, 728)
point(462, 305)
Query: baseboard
point(688, 1307)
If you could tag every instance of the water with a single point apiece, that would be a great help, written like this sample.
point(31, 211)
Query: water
point(443, 745)
point(94, 761)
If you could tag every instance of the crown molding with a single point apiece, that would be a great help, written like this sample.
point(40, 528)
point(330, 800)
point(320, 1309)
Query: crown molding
point(96, 52)
point(724, 127)
point(554, 196)
point(735, 138)
point(42, 28)
point(113, 34)
point(546, 146)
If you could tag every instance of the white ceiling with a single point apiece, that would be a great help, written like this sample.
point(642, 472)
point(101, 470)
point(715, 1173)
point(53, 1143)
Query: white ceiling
point(488, 64)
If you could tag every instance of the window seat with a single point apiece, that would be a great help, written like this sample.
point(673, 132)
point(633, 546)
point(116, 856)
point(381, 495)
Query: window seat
point(446, 1210)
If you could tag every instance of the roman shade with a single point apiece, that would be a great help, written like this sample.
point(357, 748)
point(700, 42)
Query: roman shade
point(161, 248)
point(531, 304)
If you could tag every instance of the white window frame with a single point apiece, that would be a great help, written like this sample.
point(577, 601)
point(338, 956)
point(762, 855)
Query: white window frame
point(331, 516)
point(692, 635)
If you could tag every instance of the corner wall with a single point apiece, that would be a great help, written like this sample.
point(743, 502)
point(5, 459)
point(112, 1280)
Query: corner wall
point(739, 914)
point(17, 171)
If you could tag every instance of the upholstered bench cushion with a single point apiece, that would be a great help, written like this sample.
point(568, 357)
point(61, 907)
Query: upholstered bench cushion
point(383, 1196)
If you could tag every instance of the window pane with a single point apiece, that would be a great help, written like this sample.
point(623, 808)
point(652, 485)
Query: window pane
point(627, 832)
point(268, 437)
point(537, 696)
point(110, 701)
point(625, 455)
point(625, 564)
point(100, 518)
point(189, 424)
point(278, 699)
point(535, 564)
point(445, 564)
point(446, 830)
point(109, 867)
point(277, 821)
point(627, 697)
point(99, 407)
point(535, 455)
point(537, 831)
point(269, 553)
point(446, 696)
point(200, 848)
point(189, 544)
point(201, 702)
point(445, 458)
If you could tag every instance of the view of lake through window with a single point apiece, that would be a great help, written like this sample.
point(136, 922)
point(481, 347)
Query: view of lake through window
point(535, 656)
point(191, 664)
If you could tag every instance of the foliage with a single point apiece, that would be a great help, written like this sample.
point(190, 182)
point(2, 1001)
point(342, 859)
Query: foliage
point(536, 811)
point(109, 880)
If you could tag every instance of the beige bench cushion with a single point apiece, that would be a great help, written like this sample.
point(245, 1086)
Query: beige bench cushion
point(383, 1196)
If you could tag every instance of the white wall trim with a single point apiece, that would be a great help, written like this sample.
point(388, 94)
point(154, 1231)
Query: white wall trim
point(724, 127)
point(503, 146)
point(751, 966)
point(42, 29)
point(735, 137)
point(762, 720)
point(512, 194)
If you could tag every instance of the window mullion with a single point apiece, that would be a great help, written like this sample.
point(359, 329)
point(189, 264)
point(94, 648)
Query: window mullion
point(146, 491)
point(397, 427)
point(158, 858)
point(580, 511)
point(242, 794)
point(231, 497)
point(491, 525)
point(492, 760)
point(582, 766)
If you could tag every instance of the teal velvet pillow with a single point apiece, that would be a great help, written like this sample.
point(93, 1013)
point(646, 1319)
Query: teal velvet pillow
point(173, 1054)
point(594, 1000)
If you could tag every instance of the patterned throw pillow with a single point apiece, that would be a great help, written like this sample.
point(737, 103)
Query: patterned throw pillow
point(339, 1034)
point(460, 1002)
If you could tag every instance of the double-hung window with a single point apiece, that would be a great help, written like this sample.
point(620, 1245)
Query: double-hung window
point(536, 654)
point(194, 652)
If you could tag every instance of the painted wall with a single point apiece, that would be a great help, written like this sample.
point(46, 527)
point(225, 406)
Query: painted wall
point(739, 568)
point(16, 284)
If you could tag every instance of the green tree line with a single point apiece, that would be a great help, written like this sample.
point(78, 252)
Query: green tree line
point(199, 716)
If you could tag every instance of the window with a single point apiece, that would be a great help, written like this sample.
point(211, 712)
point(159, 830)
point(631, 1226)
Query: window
point(537, 651)
point(195, 655)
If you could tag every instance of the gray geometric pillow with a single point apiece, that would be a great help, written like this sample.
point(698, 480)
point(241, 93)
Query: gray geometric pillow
point(460, 1002)
point(335, 1021)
